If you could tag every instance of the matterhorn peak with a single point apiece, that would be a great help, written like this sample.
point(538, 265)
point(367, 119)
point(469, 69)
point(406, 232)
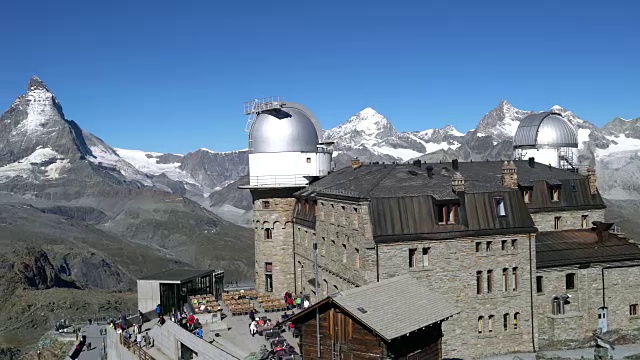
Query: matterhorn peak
point(36, 84)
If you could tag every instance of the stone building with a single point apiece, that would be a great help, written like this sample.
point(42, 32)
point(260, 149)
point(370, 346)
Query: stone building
point(511, 242)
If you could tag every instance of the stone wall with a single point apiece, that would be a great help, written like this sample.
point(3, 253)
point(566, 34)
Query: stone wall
point(346, 252)
point(452, 271)
point(568, 219)
point(273, 211)
point(581, 315)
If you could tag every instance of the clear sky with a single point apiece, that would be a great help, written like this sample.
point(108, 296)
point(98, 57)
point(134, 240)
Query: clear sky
point(172, 76)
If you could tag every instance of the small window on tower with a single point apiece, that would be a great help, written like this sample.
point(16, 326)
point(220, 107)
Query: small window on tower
point(266, 204)
point(308, 160)
point(268, 235)
point(585, 221)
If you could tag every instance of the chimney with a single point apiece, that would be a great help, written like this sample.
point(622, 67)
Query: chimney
point(430, 171)
point(454, 164)
point(591, 178)
point(457, 182)
point(602, 230)
point(417, 163)
point(356, 163)
point(509, 175)
point(532, 162)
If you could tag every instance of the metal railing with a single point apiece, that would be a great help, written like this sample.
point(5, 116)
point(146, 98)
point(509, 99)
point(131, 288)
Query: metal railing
point(278, 180)
point(136, 349)
point(257, 105)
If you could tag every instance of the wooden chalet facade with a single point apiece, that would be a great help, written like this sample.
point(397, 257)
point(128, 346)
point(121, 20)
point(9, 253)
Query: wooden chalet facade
point(371, 322)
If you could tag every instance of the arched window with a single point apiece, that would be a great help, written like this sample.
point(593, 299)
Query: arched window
point(516, 319)
point(570, 281)
point(490, 329)
point(268, 235)
point(480, 324)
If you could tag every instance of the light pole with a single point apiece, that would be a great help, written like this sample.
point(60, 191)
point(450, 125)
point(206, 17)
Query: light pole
point(315, 276)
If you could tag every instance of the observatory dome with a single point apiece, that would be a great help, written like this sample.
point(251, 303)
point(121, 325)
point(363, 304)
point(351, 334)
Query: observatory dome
point(286, 129)
point(545, 130)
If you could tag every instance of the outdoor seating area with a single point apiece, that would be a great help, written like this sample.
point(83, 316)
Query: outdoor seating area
point(239, 302)
point(205, 304)
point(270, 303)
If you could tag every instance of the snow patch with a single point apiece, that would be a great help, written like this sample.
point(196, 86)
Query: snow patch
point(149, 165)
point(404, 154)
point(108, 157)
point(56, 169)
point(623, 144)
point(583, 135)
point(40, 108)
point(28, 166)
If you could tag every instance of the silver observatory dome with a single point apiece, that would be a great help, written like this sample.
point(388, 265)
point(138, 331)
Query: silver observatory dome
point(545, 130)
point(287, 128)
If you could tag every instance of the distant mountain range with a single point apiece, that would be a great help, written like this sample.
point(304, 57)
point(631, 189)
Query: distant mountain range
point(613, 149)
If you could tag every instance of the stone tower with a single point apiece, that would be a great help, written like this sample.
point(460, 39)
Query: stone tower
point(286, 152)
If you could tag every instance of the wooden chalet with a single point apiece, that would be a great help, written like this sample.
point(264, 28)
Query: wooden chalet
point(397, 318)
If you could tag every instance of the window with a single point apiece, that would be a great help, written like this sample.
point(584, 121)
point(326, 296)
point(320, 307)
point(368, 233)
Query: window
point(489, 246)
point(556, 222)
point(504, 245)
point(527, 194)
point(505, 279)
point(514, 272)
point(268, 235)
point(585, 221)
point(268, 267)
point(344, 253)
point(426, 254)
point(516, 318)
point(357, 257)
point(480, 324)
point(478, 246)
point(490, 327)
point(268, 283)
point(266, 204)
point(479, 282)
point(514, 244)
point(308, 160)
point(505, 321)
point(412, 258)
point(555, 194)
point(633, 310)
point(500, 207)
point(570, 281)
point(539, 284)
point(447, 214)
point(489, 281)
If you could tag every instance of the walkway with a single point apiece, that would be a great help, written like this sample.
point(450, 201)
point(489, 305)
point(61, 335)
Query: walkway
point(92, 332)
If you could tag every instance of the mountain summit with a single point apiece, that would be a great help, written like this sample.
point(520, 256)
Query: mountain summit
point(35, 122)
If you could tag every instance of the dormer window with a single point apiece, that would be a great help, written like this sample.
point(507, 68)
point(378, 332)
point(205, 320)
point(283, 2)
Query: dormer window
point(555, 194)
point(447, 214)
point(500, 206)
point(527, 194)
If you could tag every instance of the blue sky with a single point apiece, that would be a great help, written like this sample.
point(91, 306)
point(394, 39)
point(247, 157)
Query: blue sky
point(171, 76)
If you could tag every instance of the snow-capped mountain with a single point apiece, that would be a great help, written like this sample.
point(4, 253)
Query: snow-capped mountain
point(369, 136)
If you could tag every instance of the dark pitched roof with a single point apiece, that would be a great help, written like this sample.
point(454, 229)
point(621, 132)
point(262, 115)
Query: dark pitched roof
point(576, 247)
point(404, 202)
point(384, 310)
point(177, 275)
